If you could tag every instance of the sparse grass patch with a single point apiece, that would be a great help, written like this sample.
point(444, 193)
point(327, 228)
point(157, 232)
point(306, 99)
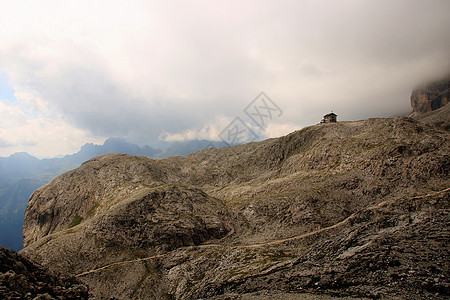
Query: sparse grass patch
point(69, 231)
point(92, 211)
point(75, 221)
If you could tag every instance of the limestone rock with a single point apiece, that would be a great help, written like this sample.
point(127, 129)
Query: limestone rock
point(431, 96)
point(332, 209)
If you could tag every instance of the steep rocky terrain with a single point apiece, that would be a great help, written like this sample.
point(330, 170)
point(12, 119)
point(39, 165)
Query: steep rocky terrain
point(23, 279)
point(354, 209)
point(431, 96)
point(21, 174)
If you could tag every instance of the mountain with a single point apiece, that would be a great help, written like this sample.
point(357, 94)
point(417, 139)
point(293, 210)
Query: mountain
point(431, 96)
point(23, 279)
point(18, 165)
point(21, 174)
point(22, 165)
point(111, 145)
point(348, 209)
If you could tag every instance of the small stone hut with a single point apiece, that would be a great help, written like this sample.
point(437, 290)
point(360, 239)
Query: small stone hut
point(329, 118)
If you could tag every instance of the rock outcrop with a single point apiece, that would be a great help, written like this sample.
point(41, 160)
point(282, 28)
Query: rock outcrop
point(23, 279)
point(431, 96)
point(357, 209)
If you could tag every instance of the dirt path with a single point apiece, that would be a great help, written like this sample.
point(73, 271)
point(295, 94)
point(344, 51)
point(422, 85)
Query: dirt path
point(275, 242)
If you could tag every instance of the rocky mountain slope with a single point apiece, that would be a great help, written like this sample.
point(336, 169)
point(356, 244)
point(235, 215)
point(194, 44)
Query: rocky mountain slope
point(355, 209)
point(23, 279)
point(21, 174)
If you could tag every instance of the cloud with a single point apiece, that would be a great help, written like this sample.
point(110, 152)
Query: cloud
point(210, 131)
point(146, 70)
point(276, 130)
point(36, 133)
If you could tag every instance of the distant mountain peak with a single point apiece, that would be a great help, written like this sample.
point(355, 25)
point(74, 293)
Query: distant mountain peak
point(22, 155)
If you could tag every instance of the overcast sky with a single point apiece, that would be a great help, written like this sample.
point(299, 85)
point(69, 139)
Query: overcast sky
point(80, 71)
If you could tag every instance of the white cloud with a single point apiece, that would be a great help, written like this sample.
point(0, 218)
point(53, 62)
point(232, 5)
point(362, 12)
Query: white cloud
point(210, 131)
point(276, 129)
point(148, 69)
point(25, 127)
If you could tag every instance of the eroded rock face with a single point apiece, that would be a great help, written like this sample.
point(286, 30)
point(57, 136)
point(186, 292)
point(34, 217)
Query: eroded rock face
point(431, 96)
point(146, 221)
point(23, 279)
point(77, 194)
point(219, 222)
point(169, 217)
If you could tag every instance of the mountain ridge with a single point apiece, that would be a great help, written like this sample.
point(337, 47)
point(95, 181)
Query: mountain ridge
point(21, 167)
point(305, 182)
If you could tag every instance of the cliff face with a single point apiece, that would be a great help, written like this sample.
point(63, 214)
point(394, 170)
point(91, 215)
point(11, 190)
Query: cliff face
point(431, 96)
point(23, 279)
point(349, 209)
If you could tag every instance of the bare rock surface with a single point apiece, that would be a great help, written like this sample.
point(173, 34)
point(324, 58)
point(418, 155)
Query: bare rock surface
point(355, 209)
point(23, 279)
point(396, 249)
point(431, 96)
